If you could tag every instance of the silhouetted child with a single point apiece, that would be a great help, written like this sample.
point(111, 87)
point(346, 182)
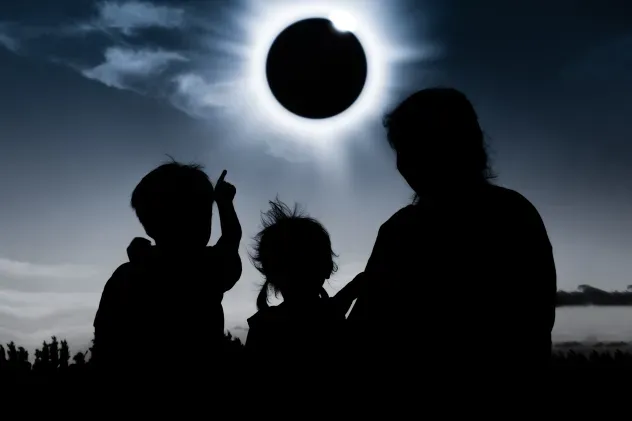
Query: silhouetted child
point(170, 293)
point(294, 254)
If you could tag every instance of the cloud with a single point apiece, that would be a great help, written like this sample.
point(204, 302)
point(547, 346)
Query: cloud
point(43, 304)
point(607, 62)
point(122, 63)
point(141, 68)
point(19, 269)
point(129, 16)
point(195, 95)
point(31, 317)
point(7, 41)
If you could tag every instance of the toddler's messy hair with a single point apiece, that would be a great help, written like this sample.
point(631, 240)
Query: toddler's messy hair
point(290, 242)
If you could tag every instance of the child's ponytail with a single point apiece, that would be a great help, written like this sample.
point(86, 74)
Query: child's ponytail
point(262, 298)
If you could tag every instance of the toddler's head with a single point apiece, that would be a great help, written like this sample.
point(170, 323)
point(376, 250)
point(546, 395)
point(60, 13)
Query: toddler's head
point(293, 252)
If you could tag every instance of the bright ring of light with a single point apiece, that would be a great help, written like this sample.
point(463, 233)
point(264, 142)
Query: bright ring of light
point(270, 110)
point(343, 21)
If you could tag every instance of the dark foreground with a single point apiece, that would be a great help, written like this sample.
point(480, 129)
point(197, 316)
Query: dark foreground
point(53, 360)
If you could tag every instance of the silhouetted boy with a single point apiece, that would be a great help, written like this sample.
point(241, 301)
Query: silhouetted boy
point(293, 252)
point(465, 276)
point(170, 295)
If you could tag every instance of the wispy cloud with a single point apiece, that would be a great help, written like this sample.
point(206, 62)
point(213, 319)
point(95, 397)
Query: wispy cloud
point(43, 304)
point(195, 95)
point(140, 68)
point(608, 61)
point(19, 269)
point(130, 16)
point(121, 63)
point(31, 317)
point(7, 41)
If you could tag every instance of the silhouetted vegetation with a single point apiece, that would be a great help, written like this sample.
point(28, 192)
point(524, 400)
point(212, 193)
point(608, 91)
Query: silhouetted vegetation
point(595, 359)
point(589, 295)
point(53, 361)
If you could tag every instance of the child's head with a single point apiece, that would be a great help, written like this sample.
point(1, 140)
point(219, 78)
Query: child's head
point(174, 202)
point(293, 252)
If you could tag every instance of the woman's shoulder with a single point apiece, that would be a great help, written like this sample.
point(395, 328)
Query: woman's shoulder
point(516, 212)
point(511, 199)
point(401, 217)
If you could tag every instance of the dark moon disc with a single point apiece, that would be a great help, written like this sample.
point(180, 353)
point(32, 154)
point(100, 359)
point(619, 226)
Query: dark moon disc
point(314, 70)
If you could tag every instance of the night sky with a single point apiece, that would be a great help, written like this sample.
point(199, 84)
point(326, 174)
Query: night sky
point(93, 95)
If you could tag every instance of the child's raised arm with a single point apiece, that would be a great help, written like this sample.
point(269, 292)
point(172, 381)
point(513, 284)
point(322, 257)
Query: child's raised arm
point(228, 244)
point(231, 228)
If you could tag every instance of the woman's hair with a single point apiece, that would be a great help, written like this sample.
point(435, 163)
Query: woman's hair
point(440, 126)
point(290, 243)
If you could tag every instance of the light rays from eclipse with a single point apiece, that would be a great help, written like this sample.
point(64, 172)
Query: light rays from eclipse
point(264, 20)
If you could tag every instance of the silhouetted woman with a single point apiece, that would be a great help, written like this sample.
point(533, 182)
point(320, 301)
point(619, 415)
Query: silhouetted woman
point(468, 267)
point(294, 254)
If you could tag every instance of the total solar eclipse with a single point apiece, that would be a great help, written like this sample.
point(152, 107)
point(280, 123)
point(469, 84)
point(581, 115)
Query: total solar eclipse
point(315, 70)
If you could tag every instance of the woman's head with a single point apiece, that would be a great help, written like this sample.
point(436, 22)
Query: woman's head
point(293, 252)
point(438, 141)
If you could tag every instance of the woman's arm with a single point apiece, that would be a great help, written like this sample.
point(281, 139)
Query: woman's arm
point(535, 268)
point(374, 271)
point(342, 301)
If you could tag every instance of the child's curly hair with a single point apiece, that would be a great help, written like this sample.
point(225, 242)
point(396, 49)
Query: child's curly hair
point(290, 245)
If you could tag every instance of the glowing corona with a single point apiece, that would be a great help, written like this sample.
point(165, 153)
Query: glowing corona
point(343, 22)
point(271, 22)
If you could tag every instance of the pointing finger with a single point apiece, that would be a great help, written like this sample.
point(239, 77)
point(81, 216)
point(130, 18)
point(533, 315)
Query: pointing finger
point(221, 177)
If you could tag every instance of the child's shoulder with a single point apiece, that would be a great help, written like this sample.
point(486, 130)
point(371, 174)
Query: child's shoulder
point(265, 316)
point(286, 314)
point(122, 272)
point(279, 315)
point(121, 277)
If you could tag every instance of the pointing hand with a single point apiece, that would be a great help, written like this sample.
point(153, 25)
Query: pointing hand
point(224, 191)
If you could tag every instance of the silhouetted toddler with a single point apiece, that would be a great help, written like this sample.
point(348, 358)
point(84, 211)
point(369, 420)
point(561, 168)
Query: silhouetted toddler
point(174, 289)
point(294, 254)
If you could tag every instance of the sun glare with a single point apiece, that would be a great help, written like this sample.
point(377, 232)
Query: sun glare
point(268, 21)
